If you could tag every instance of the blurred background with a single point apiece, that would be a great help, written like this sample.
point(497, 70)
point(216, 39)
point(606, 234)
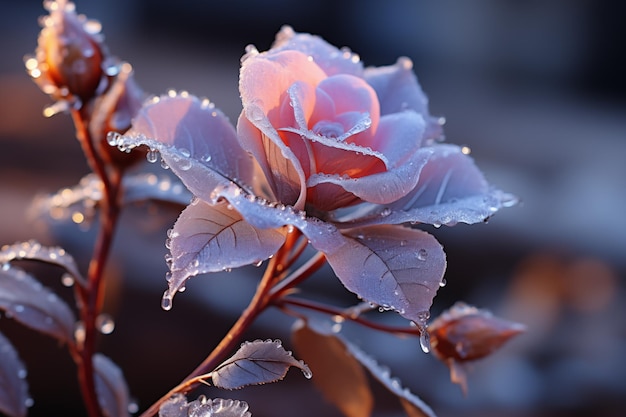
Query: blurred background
point(535, 88)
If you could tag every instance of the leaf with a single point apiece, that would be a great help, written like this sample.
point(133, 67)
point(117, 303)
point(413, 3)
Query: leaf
point(111, 387)
point(177, 406)
point(34, 251)
point(210, 238)
point(14, 397)
point(24, 299)
point(338, 375)
point(412, 404)
point(143, 187)
point(395, 267)
point(195, 140)
point(255, 363)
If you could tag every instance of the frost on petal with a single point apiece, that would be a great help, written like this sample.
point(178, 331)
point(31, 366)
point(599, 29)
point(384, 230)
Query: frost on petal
point(329, 58)
point(382, 188)
point(212, 238)
point(451, 189)
point(398, 90)
point(255, 363)
point(24, 299)
point(395, 267)
point(13, 386)
point(111, 387)
point(194, 139)
point(177, 406)
point(338, 375)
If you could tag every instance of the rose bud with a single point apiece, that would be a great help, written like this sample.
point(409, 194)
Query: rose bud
point(465, 333)
point(113, 111)
point(69, 55)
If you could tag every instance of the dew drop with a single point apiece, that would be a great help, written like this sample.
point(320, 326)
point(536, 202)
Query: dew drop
point(307, 372)
point(79, 332)
point(422, 254)
point(19, 308)
point(29, 402)
point(152, 156)
point(182, 288)
point(185, 152)
point(166, 301)
point(424, 340)
point(105, 324)
point(133, 407)
point(67, 280)
point(386, 212)
point(443, 283)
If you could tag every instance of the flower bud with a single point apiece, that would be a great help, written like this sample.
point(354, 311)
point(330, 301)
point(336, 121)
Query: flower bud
point(465, 333)
point(69, 55)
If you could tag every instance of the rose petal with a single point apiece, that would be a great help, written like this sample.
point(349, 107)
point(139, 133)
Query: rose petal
point(329, 58)
point(194, 139)
point(383, 188)
point(398, 89)
point(398, 137)
point(451, 189)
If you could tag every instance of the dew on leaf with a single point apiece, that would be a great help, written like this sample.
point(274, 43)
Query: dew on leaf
point(105, 324)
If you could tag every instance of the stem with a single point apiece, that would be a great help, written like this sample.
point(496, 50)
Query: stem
point(91, 296)
point(345, 314)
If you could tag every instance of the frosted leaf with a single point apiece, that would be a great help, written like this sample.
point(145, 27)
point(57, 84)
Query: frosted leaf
point(32, 250)
point(25, 300)
point(111, 387)
point(83, 198)
point(210, 238)
point(338, 375)
point(395, 267)
point(177, 406)
point(143, 187)
point(13, 386)
point(255, 363)
point(412, 404)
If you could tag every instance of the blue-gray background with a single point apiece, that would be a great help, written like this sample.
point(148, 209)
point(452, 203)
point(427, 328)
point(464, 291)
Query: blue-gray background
point(535, 88)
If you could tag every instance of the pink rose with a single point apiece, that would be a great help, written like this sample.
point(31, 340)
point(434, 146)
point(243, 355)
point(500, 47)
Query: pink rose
point(344, 154)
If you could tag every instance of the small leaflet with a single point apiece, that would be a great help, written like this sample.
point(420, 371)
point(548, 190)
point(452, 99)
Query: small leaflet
point(25, 300)
point(412, 404)
point(14, 397)
point(34, 251)
point(256, 363)
point(338, 375)
point(111, 387)
point(177, 406)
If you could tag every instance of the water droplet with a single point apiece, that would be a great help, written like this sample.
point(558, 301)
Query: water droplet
point(424, 340)
point(152, 156)
point(185, 152)
point(182, 288)
point(306, 371)
point(105, 324)
point(113, 138)
point(19, 308)
point(67, 280)
point(79, 333)
point(166, 301)
point(422, 254)
point(443, 282)
point(29, 402)
point(386, 212)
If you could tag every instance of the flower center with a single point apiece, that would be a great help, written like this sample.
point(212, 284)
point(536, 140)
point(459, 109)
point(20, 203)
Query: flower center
point(328, 129)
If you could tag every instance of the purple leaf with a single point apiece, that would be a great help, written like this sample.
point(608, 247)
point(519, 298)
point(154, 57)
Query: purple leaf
point(255, 363)
point(412, 404)
point(210, 238)
point(14, 399)
point(177, 406)
point(111, 387)
point(25, 300)
point(338, 374)
point(395, 267)
point(142, 187)
point(194, 139)
point(34, 251)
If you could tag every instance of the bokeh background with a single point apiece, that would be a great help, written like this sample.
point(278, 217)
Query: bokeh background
point(535, 88)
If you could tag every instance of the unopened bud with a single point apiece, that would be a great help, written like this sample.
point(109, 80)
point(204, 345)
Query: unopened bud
point(70, 54)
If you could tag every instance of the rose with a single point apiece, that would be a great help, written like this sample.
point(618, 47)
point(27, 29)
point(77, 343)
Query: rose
point(346, 155)
point(327, 133)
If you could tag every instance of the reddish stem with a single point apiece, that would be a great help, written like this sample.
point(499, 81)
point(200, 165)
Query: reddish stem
point(91, 296)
